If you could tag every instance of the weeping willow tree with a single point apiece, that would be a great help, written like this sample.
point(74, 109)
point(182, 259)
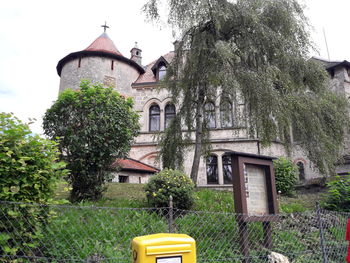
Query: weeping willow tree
point(257, 50)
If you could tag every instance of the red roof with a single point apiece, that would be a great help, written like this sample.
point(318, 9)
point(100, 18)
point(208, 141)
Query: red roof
point(105, 44)
point(131, 164)
point(148, 76)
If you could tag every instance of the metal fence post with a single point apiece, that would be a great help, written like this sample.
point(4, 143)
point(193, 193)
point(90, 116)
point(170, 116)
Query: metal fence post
point(322, 240)
point(171, 214)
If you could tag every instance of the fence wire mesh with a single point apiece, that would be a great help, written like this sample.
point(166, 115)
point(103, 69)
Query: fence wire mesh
point(36, 233)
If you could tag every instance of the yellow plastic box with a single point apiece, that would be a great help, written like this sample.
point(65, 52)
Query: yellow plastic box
point(164, 248)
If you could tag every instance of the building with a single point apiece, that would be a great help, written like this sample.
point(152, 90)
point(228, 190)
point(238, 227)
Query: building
point(102, 62)
point(339, 73)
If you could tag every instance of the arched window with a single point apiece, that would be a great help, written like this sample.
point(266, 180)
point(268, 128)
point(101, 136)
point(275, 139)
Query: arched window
point(209, 114)
point(161, 72)
point(301, 171)
point(169, 114)
point(154, 118)
point(226, 113)
point(212, 170)
point(227, 169)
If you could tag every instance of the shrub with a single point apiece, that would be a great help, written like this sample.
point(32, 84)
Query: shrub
point(170, 182)
point(286, 173)
point(338, 196)
point(95, 125)
point(29, 172)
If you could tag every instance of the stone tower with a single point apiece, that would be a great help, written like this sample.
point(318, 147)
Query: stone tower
point(136, 54)
point(99, 62)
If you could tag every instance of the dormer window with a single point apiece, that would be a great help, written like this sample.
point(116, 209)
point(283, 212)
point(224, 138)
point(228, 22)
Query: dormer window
point(159, 68)
point(161, 72)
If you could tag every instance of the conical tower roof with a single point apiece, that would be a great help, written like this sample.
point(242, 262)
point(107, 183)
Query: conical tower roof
point(104, 44)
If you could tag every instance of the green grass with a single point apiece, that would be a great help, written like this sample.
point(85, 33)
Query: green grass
point(133, 196)
point(117, 195)
point(79, 232)
point(299, 203)
point(213, 200)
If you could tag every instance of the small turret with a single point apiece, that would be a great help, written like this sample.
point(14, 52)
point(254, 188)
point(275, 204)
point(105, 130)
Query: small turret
point(176, 45)
point(136, 54)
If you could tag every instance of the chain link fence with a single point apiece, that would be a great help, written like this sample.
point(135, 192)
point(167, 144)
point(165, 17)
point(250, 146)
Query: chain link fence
point(103, 234)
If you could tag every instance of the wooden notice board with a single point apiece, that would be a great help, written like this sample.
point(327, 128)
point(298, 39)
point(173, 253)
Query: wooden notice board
point(254, 187)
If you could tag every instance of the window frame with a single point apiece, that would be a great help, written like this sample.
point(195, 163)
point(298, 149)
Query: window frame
point(161, 71)
point(225, 110)
point(151, 118)
point(169, 115)
point(211, 164)
point(210, 115)
point(301, 170)
point(228, 164)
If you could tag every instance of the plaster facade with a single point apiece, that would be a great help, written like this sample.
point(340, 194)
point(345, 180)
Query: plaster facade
point(132, 177)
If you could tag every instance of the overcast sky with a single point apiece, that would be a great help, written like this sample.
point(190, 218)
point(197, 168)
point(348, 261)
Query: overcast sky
point(36, 34)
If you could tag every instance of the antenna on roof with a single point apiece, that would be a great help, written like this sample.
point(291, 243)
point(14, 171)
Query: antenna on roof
point(105, 26)
point(325, 40)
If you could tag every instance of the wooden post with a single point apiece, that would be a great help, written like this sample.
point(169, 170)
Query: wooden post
point(267, 234)
point(243, 240)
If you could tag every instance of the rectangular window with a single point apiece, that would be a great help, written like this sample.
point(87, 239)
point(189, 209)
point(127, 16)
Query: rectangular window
point(123, 179)
point(212, 170)
point(209, 115)
point(227, 169)
point(154, 118)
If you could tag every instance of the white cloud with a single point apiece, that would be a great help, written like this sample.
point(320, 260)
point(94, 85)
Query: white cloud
point(36, 34)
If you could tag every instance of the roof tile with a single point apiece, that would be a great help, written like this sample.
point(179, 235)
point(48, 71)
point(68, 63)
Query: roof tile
point(131, 164)
point(105, 44)
point(148, 76)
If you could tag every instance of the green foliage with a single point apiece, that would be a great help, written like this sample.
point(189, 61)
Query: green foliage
point(93, 125)
point(286, 174)
point(292, 208)
point(256, 52)
point(170, 183)
point(338, 196)
point(29, 171)
point(213, 201)
point(172, 145)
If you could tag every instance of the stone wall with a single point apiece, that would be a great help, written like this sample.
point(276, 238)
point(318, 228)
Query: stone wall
point(98, 69)
point(133, 177)
point(223, 139)
point(144, 149)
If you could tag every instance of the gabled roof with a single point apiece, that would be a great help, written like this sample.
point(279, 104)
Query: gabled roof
point(343, 63)
point(329, 65)
point(160, 60)
point(104, 44)
point(129, 164)
point(149, 76)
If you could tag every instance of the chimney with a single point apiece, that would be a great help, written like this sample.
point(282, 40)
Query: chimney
point(136, 54)
point(176, 45)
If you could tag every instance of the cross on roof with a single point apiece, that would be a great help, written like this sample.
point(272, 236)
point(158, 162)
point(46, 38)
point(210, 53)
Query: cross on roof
point(105, 26)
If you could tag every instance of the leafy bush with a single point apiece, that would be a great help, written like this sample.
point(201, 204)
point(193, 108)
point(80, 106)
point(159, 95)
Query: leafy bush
point(286, 173)
point(170, 182)
point(338, 196)
point(95, 125)
point(29, 172)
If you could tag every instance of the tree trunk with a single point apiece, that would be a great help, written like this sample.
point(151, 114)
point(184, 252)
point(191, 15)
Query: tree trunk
point(199, 139)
